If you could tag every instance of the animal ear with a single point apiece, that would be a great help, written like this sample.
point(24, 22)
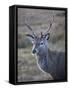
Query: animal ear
point(47, 36)
point(31, 37)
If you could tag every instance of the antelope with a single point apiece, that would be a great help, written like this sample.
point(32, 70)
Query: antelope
point(52, 62)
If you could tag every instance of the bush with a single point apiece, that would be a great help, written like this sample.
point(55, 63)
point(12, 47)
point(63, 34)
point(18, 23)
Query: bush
point(23, 42)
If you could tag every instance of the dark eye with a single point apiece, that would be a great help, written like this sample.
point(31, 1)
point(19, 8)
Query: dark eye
point(41, 43)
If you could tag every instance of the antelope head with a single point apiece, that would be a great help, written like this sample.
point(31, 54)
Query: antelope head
point(40, 44)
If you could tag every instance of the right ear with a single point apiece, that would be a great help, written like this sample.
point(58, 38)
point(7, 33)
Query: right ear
point(47, 36)
point(30, 37)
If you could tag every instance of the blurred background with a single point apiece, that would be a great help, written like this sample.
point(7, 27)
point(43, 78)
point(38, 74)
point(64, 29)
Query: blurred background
point(39, 20)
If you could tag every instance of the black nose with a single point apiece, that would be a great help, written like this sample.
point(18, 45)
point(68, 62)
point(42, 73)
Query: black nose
point(34, 51)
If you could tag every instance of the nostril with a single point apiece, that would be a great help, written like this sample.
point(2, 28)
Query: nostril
point(34, 51)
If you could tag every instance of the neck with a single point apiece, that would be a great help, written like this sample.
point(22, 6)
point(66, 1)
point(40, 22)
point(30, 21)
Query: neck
point(44, 55)
point(43, 59)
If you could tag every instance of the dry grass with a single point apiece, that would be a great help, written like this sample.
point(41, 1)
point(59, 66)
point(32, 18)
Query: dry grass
point(27, 67)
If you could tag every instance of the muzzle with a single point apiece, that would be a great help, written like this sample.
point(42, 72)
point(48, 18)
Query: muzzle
point(33, 51)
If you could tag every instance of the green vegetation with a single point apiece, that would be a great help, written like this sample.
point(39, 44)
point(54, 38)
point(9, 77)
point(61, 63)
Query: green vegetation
point(23, 41)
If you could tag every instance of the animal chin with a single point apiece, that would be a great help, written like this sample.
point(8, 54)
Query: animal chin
point(37, 53)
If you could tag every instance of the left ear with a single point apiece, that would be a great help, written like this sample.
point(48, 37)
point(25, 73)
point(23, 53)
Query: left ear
point(31, 37)
point(47, 36)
